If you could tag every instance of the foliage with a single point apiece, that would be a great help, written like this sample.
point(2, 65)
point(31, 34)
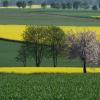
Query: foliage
point(63, 6)
point(30, 3)
point(69, 5)
point(56, 5)
point(37, 38)
point(19, 4)
point(43, 5)
point(23, 4)
point(85, 5)
point(55, 39)
point(5, 3)
point(40, 39)
point(76, 5)
point(94, 7)
point(84, 46)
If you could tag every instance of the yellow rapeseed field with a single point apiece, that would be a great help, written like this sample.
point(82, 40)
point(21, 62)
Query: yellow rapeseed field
point(15, 32)
point(32, 7)
point(98, 17)
point(29, 70)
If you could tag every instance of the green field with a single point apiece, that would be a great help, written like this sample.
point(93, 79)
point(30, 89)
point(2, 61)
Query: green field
point(50, 87)
point(49, 17)
point(9, 50)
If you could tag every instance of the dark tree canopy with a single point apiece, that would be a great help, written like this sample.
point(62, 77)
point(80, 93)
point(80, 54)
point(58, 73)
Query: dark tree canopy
point(5, 3)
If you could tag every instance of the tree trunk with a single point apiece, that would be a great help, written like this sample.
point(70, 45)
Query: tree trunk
point(54, 62)
point(54, 55)
point(84, 67)
point(37, 64)
point(24, 63)
point(25, 57)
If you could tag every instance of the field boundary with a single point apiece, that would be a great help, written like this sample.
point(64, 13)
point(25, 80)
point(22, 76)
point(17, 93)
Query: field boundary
point(29, 70)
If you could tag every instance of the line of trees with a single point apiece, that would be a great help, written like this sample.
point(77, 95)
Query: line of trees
point(41, 41)
point(23, 4)
point(68, 4)
point(19, 3)
point(75, 5)
point(50, 41)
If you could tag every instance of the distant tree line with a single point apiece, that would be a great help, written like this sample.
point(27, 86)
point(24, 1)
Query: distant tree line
point(75, 5)
point(19, 3)
point(66, 4)
point(23, 4)
point(51, 42)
